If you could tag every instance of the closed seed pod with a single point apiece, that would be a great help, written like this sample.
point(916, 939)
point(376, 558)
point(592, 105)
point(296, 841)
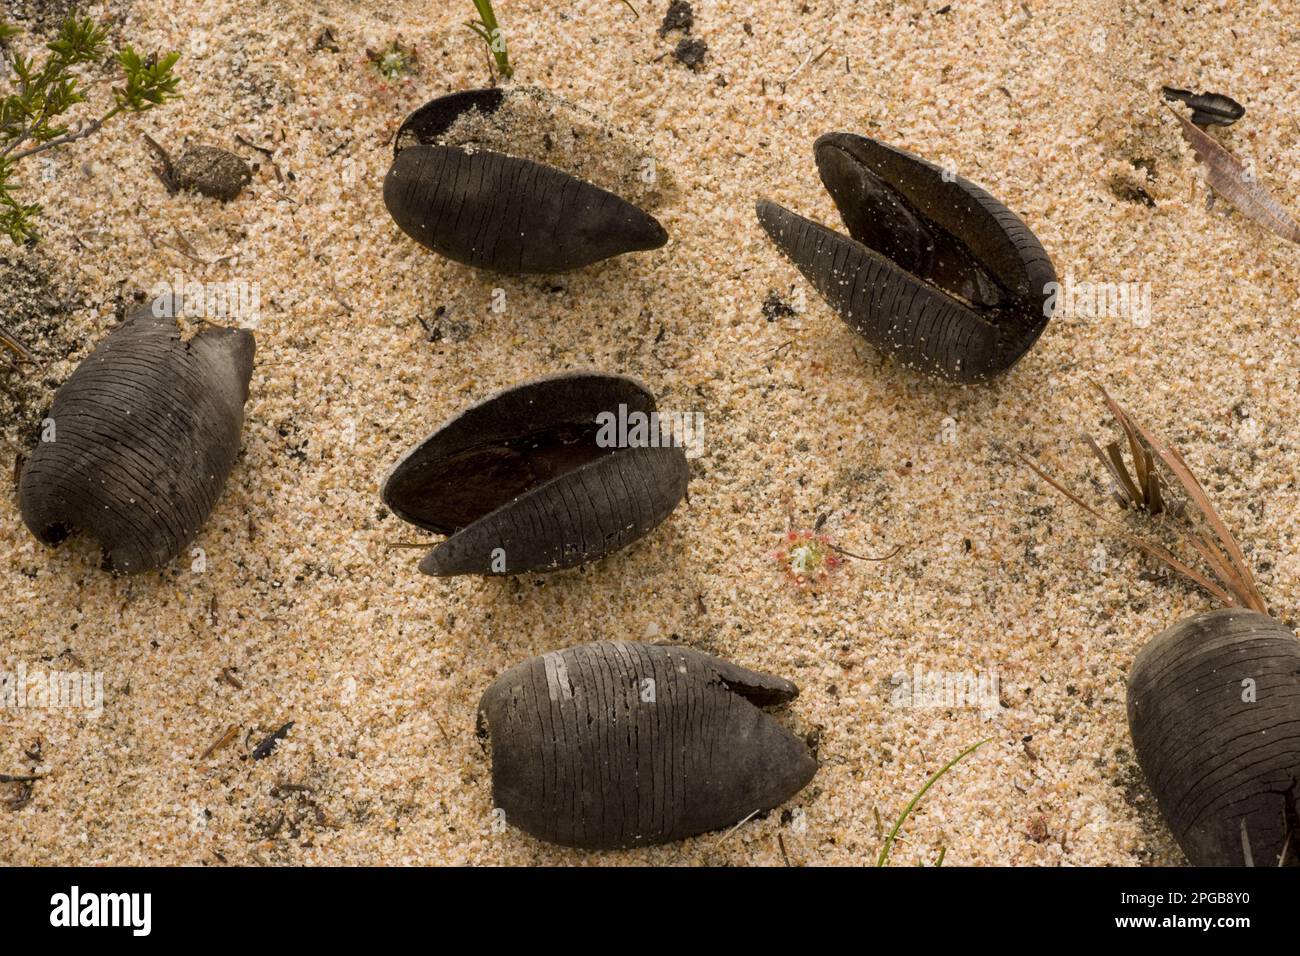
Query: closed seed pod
point(1214, 711)
point(535, 479)
point(935, 272)
point(620, 744)
point(519, 181)
point(144, 434)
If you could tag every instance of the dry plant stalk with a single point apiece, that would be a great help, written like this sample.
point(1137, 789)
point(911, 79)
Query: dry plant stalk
point(1228, 175)
point(13, 344)
point(1230, 579)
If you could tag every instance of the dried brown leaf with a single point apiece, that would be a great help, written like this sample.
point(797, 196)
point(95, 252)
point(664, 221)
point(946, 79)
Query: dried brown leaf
point(1228, 176)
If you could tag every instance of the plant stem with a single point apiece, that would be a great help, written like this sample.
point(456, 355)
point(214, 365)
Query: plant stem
point(69, 137)
point(492, 35)
point(889, 841)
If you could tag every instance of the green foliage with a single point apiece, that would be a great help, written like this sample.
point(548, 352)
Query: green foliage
point(907, 811)
point(490, 32)
point(34, 110)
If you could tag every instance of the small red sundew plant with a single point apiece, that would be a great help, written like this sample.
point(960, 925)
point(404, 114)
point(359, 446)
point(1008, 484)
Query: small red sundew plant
point(807, 558)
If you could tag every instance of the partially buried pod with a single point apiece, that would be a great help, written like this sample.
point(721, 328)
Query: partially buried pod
point(1214, 711)
point(620, 744)
point(519, 181)
point(935, 272)
point(142, 438)
point(534, 479)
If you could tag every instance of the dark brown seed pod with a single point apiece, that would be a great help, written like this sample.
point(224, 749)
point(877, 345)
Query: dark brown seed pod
point(619, 744)
point(1214, 711)
point(1208, 109)
point(935, 272)
point(476, 177)
point(143, 436)
point(530, 480)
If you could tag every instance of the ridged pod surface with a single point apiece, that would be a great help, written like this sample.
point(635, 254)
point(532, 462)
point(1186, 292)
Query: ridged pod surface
point(522, 483)
point(492, 209)
point(145, 432)
point(935, 272)
point(1214, 711)
point(619, 744)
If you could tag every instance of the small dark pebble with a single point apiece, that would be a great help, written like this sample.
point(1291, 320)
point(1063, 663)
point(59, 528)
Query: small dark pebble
point(212, 171)
point(680, 16)
point(267, 746)
point(327, 41)
point(691, 52)
point(1208, 109)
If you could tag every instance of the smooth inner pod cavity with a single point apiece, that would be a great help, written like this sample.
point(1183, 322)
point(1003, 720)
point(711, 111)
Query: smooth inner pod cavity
point(1214, 712)
point(140, 439)
point(529, 480)
point(935, 272)
point(619, 744)
point(520, 181)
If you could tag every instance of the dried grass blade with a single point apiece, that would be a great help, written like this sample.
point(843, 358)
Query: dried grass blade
point(1250, 596)
point(1141, 459)
point(1124, 489)
point(1155, 499)
point(1134, 490)
point(1154, 550)
point(15, 346)
point(1228, 176)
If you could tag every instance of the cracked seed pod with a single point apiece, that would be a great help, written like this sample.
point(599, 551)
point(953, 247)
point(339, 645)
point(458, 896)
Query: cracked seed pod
point(146, 430)
point(935, 272)
point(618, 744)
point(1214, 712)
point(519, 181)
point(533, 480)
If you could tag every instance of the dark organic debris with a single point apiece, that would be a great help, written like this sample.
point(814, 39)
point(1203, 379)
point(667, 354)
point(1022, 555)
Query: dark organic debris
point(212, 171)
point(476, 177)
point(208, 170)
point(691, 51)
point(776, 308)
point(267, 746)
point(524, 481)
point(1208, 109)
point(1125, 188)
point(934, 272)
point(680, 16)
point(618, 744)
point(326, 40)
point(146, 431)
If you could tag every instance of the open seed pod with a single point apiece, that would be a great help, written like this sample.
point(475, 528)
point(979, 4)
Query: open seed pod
point(519, 181)
point(143, 436)
point(619, 744)
point(532, 480)
point(935, 272)
point(1214, 710)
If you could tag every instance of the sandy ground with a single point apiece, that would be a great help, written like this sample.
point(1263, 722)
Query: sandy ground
point(366, 342)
